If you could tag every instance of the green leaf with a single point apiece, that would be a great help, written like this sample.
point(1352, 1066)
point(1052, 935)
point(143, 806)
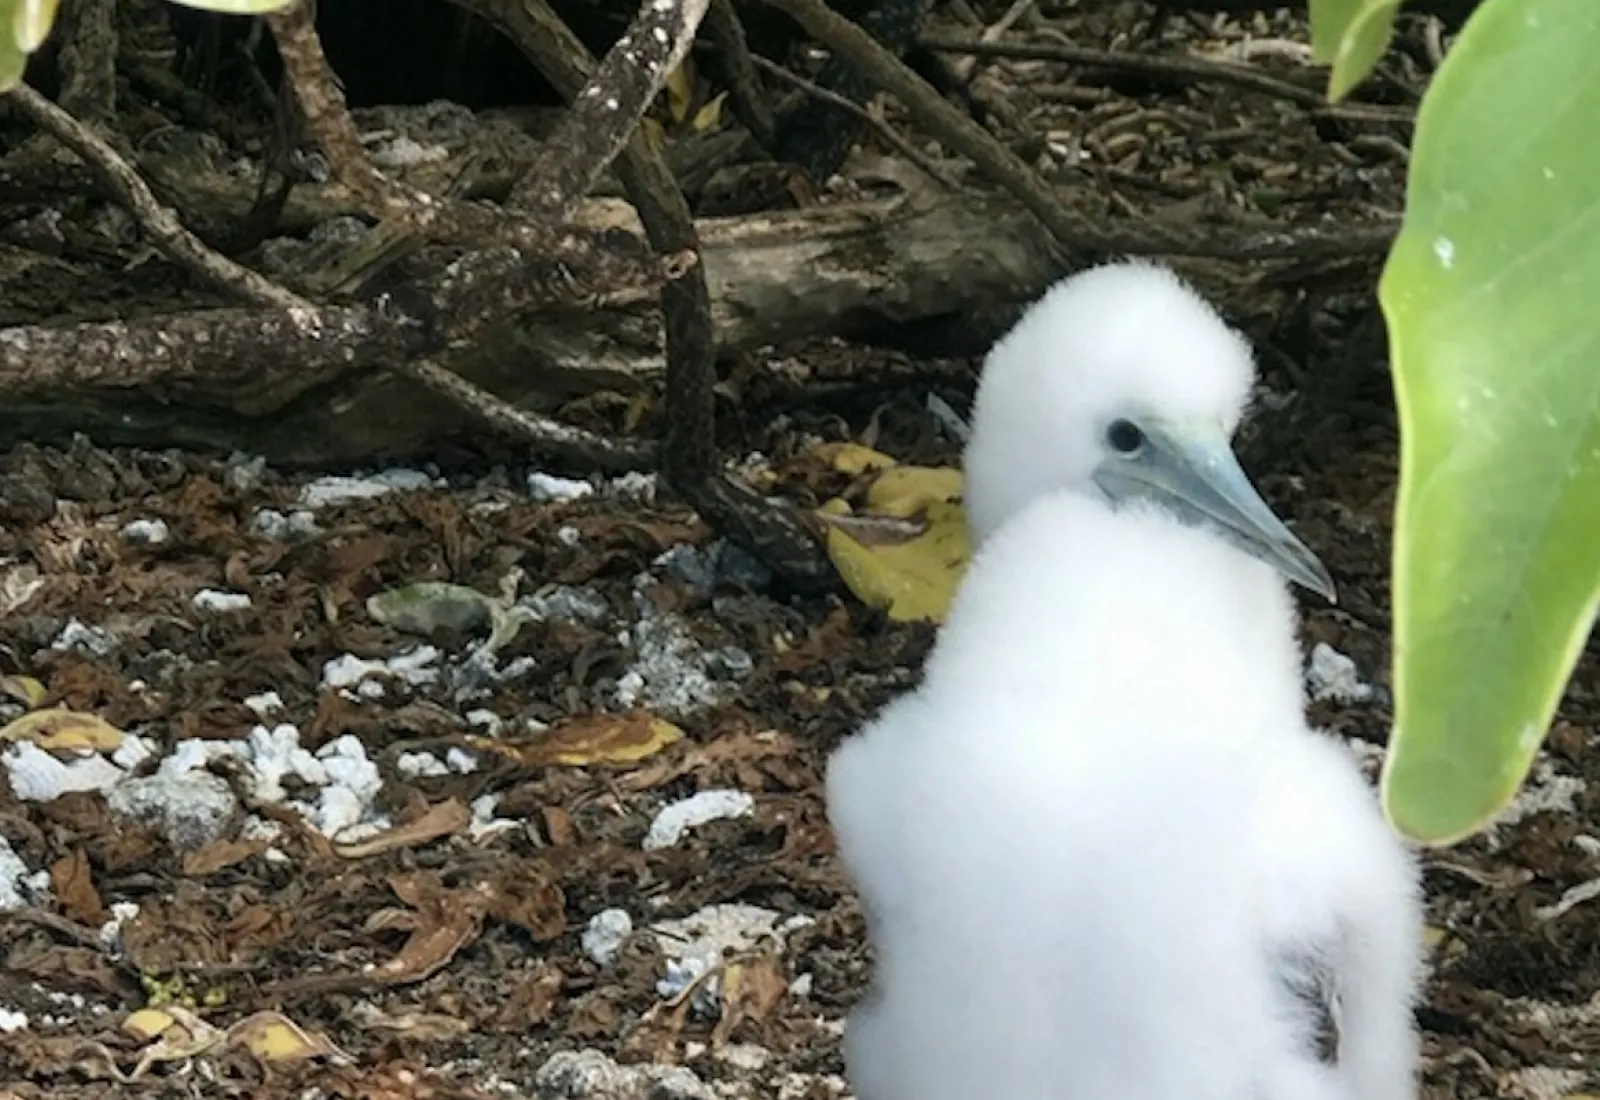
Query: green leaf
point(236, 7)
point(1491, 299)
point(31, 21)
point(24, 25)
point(1350, 35)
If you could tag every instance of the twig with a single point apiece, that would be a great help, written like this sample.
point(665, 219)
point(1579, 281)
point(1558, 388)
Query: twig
point(880, 125)
point(157, 221)
point(963, 68)
point(552, 435)
point(689, 458)
point(495, 296)
point(431, 218)
point(817, 136)
point(476, 291)
point(605, 112)
point(739, 72)
point(1180, 68)
point(943, 121)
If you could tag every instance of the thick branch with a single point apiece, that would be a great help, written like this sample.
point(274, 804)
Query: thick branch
point(937, 116)
point(163, 227)
point(605, 112)
point(739, 72)
point(1173, 68)
point(689, 454)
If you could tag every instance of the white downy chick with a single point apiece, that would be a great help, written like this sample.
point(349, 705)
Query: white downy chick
point(1100, 852)
point(1121, 356)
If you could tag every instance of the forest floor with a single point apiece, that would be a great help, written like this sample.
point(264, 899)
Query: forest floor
point(512, 912)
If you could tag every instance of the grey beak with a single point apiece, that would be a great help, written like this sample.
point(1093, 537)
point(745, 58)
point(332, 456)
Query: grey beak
point(1190, 470)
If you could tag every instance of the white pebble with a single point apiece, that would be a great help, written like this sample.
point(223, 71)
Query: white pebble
point(151, 532)
point(211, 599)
point(673, 821)
point(605, 934)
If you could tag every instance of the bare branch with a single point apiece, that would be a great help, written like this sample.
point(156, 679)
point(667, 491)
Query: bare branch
point(157, 221)
point(888, 133)
point(937, 116)
point(604, 114)
point(1173, 68)
point(739, 72)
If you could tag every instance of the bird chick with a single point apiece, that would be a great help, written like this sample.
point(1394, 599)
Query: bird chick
point(1100, 852)
point(1121, 381)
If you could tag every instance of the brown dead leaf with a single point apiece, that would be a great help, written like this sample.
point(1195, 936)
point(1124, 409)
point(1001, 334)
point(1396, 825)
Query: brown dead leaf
point(531, 1002)
point(751, 989)
point(523, 896)
point(441, 819)
point(66, 968)
point(593, 1017)
point(223, 853)
point(719, 759)
point(590, 739)
point(441, 922)
point(558, 826)
point(655, 1037)
point(422, 1027)
point(72, 882)
point(60, 730)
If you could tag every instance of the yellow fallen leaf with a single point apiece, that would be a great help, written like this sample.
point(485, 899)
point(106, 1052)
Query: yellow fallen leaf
point(65, 731)
point(146, 1023)
point(853, 458)
point(905, 491)
point(909, 578)
point(906, 549)
point(24, 689)
point(591, 739)
point(273, 1037)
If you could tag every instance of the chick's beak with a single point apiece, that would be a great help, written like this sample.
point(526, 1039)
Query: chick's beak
point(1189, 469)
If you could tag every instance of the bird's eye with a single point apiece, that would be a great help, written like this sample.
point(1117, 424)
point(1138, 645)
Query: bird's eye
point(1125, 437)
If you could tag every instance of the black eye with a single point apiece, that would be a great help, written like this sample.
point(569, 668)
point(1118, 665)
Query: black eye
point(1125, 437)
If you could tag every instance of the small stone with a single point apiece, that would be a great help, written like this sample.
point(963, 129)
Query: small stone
point(605, 934)
point(673, 821)
point(191, 809)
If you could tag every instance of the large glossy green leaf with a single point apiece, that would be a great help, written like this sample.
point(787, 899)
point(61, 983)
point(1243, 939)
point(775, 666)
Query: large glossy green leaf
point(1350, 35)
point(236, 7)
point(1492, 297)
point(24, 25)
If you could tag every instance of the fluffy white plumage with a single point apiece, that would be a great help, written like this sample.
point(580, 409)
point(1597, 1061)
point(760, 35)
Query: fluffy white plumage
point(1101, 854)
point(1114, 337)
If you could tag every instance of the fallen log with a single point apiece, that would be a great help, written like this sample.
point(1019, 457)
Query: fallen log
point(854, 270)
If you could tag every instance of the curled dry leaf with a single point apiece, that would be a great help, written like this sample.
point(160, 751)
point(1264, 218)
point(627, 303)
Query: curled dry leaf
point(273, 1037)
point(523, 896)
point(441, 819)
point(904, 550)
point(63, 731)
point(751, 989)
point(591, 739)
point(182, 1035)
point(72, 883)
point(24, 689)
point(221, 854)
point(441, 922)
